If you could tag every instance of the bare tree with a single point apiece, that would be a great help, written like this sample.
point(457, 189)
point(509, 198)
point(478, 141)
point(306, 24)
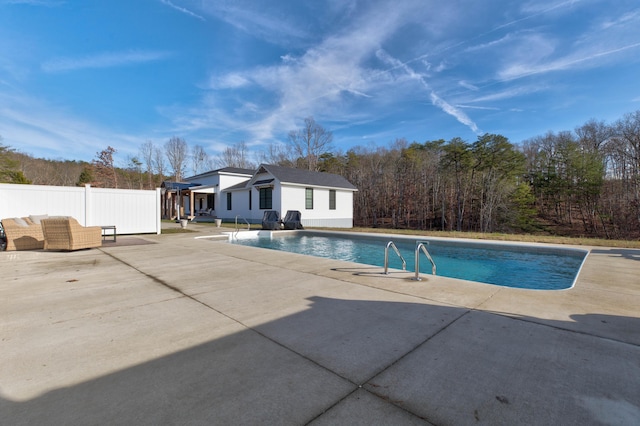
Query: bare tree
point(146, 153)
point(593, 134)
point(236, 156)
point(200, 159)
point(310, 142)
point(105, 171)
point(177, 151)
point(158, 163)
point(133, 173)
point(277, 154)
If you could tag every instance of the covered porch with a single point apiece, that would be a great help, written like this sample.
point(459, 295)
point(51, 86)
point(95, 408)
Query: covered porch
point(187, 200)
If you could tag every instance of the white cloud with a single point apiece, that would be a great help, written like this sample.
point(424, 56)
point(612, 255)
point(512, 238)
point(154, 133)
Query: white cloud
point(611, 37)
point(182, 9)
point(326, 81)
point(478, 107)
point(351, 67)
point(537, 7)
point(103, 60)
point(261, 20)
point(627, 18)
point(316, 82)
point(468, 85)
point(582, 59)
point(59, 135)
point(454, 112)
point(229, 81)
point(512, 92)
point(524, 54)
point(493, 44)
point(435, 99)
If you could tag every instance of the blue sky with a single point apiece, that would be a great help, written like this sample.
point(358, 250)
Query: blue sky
point(77, 76)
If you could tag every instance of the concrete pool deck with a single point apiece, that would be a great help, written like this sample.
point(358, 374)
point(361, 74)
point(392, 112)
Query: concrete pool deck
point(195, 331)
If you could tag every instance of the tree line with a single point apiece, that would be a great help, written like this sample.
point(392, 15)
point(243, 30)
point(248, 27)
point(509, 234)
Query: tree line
point(153, 163)
point(582, 182)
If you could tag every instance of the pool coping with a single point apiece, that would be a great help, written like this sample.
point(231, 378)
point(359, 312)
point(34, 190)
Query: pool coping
point(541, 248)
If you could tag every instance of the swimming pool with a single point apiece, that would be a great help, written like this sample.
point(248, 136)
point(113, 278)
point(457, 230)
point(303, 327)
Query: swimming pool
point(518, 266)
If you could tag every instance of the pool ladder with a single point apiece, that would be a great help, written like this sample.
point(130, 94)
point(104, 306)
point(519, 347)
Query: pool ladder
point(235, 235)
point(386, 257)
point(420, 246)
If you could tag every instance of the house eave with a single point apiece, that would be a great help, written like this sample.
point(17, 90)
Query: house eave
point(309, 185)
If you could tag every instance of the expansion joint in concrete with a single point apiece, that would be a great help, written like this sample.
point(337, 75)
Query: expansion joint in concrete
point(164, 283)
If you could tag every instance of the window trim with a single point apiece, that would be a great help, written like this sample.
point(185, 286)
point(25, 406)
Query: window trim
point(308, 198)
point(332, 199)
point(266, 202)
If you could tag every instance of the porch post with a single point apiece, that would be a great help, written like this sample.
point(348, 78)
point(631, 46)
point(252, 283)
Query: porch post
point(179, 203)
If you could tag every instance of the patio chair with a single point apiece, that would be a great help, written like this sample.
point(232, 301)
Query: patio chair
point(22, 234)
point(271, 220)
point(293, 220)
point(67, 234)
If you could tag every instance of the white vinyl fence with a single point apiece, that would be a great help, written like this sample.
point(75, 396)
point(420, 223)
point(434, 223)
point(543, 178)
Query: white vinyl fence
point(131, 211)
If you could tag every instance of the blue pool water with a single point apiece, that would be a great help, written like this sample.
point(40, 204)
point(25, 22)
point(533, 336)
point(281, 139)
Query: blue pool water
point(527, 267)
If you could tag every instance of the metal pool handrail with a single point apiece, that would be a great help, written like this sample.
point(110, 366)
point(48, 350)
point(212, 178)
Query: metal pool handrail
point(235, 235)
point(386, 257)
point(421, 246)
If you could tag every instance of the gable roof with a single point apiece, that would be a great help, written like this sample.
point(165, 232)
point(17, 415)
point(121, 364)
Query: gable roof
point(238, 186)
point(306, 177)
point(226, 170)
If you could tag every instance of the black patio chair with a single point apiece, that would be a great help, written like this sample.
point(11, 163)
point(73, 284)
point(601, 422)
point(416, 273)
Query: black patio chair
point(293, 220)
point(271, 220)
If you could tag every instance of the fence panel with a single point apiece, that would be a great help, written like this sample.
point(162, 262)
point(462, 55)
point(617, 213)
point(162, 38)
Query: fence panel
point(131, 211)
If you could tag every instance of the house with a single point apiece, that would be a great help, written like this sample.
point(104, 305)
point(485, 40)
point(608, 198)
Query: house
point(178, 197)
point(324, 199)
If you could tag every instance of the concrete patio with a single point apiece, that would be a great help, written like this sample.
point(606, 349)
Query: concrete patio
point(197, 331)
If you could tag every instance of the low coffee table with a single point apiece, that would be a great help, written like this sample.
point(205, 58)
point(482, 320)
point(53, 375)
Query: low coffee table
point(109, 228)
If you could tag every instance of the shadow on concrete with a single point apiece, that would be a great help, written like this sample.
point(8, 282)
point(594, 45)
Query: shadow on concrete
point(124, 241)
point(309, 365)
point(630, 254)
point(375, 271)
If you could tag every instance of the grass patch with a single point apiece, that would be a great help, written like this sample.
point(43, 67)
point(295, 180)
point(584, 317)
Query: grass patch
point(176, 231)
point(527, 238)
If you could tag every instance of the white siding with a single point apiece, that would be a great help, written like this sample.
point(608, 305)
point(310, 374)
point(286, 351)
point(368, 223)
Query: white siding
point(284, 197)
point(293, 198)
point(223, 181)
point(240, 204)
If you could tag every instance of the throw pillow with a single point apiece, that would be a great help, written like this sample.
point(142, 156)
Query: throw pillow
point(37, 218)
point(20, 222)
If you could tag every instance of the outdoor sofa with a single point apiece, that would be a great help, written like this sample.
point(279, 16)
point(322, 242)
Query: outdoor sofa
point(67, 234)
point(23, 233)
